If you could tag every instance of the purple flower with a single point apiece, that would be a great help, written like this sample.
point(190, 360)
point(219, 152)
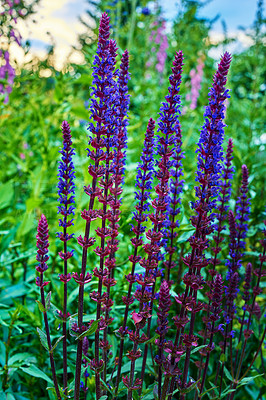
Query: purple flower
point(66, 186)
point(159, 41)
point(144, 179)
point(42, 252)
point(231, 292)
point(196, 79)
point(103, 98)
point(168, 141)
point(210, 153)
point(7, 73)
point(163, 309)
point(243, 210)
point(216, 298)
point(247, 283)
point(223, 203)
point(145, 11)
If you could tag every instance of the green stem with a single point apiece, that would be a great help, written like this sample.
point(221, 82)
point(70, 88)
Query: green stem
point(132, 24)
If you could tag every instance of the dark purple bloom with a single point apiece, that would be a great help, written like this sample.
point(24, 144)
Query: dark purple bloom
point(42, 252)
point(144, 179)
point(42, 244)
point(216, 298)
point(174, 199)
point(163, 309)
point(231, 292)
point(66, 186)
point(242, 210)
point(247, 283)
point(223, 202)
point(233, 262)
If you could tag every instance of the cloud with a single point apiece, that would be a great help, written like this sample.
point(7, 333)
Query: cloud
point(55, 21)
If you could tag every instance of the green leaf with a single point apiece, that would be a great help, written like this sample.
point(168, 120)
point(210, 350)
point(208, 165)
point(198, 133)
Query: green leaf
point(34, 371)
point(18, 357)
point(208, 390)
point(3, 323)
point(226, 392)
point(48, 301)
point(245, 381)
point(6, 194)
point(56, 343)
point(90, 331)
point(152, 340)
point(223, 357)
point(228, 375)
point(14, 291)
point(9, 396)
point(190, 388)
point(194, 350)
point(43, 338)
point(72, 321)
point(135, 395)
point(40, 305)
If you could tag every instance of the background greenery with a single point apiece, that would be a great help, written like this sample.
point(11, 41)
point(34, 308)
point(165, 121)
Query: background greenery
point(30, 138)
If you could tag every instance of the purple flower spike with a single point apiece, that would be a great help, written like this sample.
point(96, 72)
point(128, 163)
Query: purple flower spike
point(243, 209)
point(216, 298)
point(66, 186)
point(210, 153)
point(248, 279)
point(233, 262)
point(168, 146)
point(42, 252)
point(231, 292)
point(163, 309)
point(144, 179)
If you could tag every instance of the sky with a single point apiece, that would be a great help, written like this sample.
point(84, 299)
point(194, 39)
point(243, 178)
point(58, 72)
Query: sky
point(60, 18)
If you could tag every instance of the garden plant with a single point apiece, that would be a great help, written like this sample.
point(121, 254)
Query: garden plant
point(162, 298)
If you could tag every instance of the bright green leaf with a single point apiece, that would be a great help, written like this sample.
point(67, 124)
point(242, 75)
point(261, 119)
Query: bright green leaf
point(43, 338)
point(34, 371)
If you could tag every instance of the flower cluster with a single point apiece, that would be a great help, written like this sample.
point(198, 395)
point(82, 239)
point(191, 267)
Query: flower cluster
point(42, 252)
point(66, 186)
point(159, 40)
point(243, 209)
point(7, 73)
point(222, 203)
point(154, 231)
point(12, 11)
point(196, 76)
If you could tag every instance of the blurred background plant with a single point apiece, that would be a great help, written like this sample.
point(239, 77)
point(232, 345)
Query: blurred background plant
point(36, 97)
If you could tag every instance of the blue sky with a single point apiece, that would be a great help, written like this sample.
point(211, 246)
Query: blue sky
point(234, 12)
point(60, 18)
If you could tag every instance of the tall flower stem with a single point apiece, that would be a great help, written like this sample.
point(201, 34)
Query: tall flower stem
point(167, 141)
point(42, 257)
point(117, 167)
point(100, 106)
point(247, 332)
point(66, 192)
point(176, 186)
point(222, 207)
point(208, 177)
point(144, 180)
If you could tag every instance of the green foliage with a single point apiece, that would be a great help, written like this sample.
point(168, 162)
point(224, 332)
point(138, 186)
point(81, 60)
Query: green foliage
point(30, 137)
